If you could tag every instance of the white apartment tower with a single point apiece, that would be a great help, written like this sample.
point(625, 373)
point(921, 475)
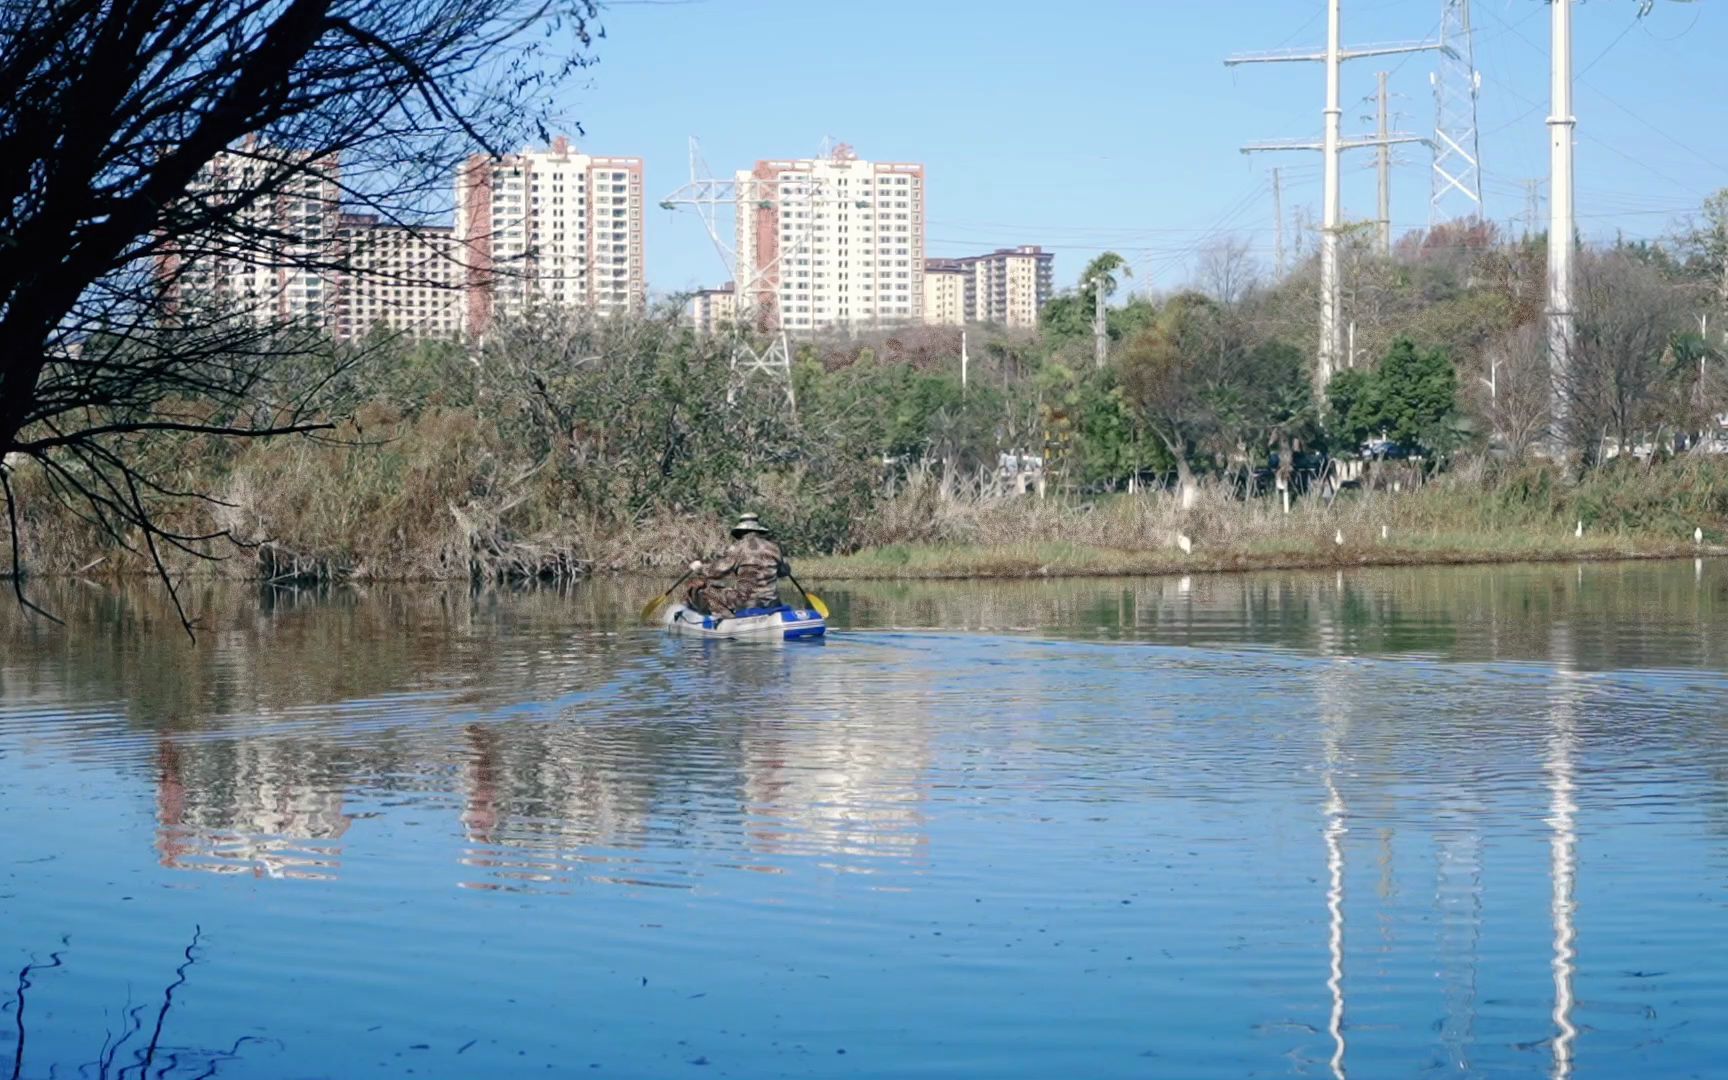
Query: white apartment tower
point(553, 226)
point(402, 280)
point(269, 264)
point(832, 242)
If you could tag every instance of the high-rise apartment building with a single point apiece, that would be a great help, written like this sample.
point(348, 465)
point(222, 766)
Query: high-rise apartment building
point(832, 242)
point(1011, 285)
point(1007, 287)
point(553, 226)
point(403, 280)
point(267, 264)
point(711, 310)
point(947, 283)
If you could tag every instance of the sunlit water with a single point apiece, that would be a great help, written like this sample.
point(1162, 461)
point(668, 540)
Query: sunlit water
point(1468, 821)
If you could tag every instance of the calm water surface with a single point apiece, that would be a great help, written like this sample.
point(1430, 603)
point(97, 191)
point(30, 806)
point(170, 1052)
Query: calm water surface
point(1388, 823)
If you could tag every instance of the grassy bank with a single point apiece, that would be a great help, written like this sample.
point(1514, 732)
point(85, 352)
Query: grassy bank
point(440, 501)
point(933, 563)
point(1526, 516)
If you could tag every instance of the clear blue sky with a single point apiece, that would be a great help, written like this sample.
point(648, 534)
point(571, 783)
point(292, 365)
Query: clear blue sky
point(1114, 123)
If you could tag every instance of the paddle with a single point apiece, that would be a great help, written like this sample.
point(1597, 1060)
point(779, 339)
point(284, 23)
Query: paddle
point(654, 604)
point(811, 600)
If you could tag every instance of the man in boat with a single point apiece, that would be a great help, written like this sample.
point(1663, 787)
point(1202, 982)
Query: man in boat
point(746, 575)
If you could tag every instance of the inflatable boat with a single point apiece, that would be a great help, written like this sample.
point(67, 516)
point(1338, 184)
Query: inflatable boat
point(785, 622)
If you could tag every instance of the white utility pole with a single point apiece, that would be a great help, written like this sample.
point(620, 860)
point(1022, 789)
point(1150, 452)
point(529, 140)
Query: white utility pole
point(1331, 296)
point(1100, 325)
point(1561, 224)
point(1278, 221)
point(962, 361)
point(1385, 173)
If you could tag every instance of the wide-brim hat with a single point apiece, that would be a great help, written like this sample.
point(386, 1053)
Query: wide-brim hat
point(747, 523)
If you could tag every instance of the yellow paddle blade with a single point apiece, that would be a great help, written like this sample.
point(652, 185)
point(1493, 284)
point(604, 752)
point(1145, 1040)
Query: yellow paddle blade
point(817, 604)
point(655, 605)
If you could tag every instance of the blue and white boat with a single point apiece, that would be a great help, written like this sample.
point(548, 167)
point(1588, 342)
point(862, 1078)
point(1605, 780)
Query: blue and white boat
point(786, 623)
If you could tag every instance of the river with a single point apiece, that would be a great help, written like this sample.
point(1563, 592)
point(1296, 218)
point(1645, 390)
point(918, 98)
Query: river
point(1380, 823)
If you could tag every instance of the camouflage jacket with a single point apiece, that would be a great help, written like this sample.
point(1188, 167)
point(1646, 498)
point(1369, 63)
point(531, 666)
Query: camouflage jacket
point(753, 562)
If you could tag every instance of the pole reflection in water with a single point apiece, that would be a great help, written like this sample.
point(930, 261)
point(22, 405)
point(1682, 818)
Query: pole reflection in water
point(1563, 853)
point(1333, 679)
point(1335, 830)
point(1458, 888)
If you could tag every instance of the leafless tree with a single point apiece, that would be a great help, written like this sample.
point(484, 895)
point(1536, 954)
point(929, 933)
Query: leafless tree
point(111, 112)
point(1623, 368)
point(1227, 270)
point(1513, 391)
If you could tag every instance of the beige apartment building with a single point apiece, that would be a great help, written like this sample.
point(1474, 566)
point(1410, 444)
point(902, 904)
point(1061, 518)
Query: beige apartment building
point(1007, 287)
point(404, 280)
point(554, 226)
point(1011, 285)
point(250, 268)
point(946, 285)
point(831, 243)
point(712, 310)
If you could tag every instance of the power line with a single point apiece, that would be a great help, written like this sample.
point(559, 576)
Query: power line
point(1332, 144)
point(1612, 100)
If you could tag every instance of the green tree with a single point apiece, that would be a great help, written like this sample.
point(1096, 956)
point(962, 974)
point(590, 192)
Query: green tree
point(1068, 317)
point(1418, 397)
point(1353, 408)
point(1267, 400)
point(1101, 273)
point(1169, 372)
point(1110, 442)
point(1412, 399)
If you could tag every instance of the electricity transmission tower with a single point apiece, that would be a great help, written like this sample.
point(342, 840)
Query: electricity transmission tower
point(753, 280)
point(1457, 177)
point(1333, 145)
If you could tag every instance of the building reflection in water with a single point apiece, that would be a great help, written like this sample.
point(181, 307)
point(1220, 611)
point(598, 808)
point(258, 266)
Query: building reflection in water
point(837, 789)
point(247, 806)
point(539, 800)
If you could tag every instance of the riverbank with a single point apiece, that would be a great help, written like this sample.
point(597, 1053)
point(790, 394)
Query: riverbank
point(306, 524)
point(1045, 560)
point(1529, 516)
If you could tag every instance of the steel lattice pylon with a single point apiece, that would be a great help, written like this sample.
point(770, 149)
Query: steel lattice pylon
point(1457, 176)
point(754, 281)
